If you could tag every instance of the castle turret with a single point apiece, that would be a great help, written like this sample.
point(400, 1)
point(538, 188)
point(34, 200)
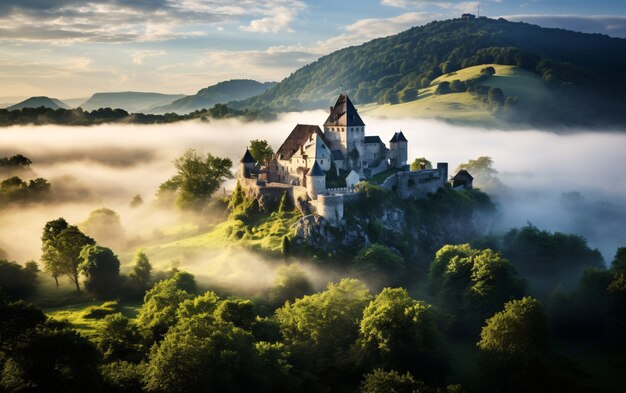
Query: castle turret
point(398, 150)
point(344, 128)
point(316, 181)
point(246, 164)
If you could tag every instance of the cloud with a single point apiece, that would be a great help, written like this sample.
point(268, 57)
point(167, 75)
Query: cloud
point(139, 56)
point(614, 26)
point(276, 61)
point(137, 21)
point(364, 30)
point(279, 19)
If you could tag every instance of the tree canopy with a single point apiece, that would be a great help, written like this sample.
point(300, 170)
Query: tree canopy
point(472, 284)
point(197, 178)
point(261, 150)
point(101, 269)
point(399, 333)
point(513, 347)
point(61, 247)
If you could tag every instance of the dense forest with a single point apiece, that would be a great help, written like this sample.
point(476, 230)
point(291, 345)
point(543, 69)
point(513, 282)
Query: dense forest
point(78, 117)
point(584, 71)
point(507, 312)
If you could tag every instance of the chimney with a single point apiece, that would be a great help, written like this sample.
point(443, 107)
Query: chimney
point(331, 109)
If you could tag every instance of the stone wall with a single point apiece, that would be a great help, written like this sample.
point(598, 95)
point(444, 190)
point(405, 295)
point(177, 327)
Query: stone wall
point(417, 184)
point(331, 208)
point(268, 194)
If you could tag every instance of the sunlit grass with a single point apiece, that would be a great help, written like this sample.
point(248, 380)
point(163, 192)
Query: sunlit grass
point(265, 234)
point(78, 316)
point(465, 107)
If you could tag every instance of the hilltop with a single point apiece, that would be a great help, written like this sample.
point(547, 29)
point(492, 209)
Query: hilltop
point(130, 101)
point(583, 72)
point(220, 93)
point(36, 102)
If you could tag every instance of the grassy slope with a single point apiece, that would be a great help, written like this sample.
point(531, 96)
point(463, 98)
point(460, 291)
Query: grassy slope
point(266, 236)
point(75, 315)
point(464, 107)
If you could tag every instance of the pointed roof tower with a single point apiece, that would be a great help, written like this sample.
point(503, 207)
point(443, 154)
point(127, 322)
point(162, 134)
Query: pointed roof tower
point(343, 114)
point(316, 170)
point(398, 137)
point(247, 158)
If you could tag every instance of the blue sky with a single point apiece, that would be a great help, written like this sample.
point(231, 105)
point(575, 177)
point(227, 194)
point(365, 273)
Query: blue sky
point(73, 48)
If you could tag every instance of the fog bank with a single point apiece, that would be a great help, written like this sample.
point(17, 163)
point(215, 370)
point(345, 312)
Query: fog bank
point(107, 165)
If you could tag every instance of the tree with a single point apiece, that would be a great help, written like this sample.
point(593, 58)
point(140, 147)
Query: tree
point(549, 258)
point(17, 160)
point(399, 333)
point(485, 175)
point(488, 71)
point(261, 150)
point(443, 88)
point(473, 284)
point(239, 312)
point(202, 355)
point(123, 377)
point(619, 262)
point(381, 381)
point(140, 274)
point(39, 355)
point(379, 265)
point(101, 269)
point(320, 329)
point(290, 283)
point(457, 86)
point(159, 310)
point(513, 347)
point(17, 281)
point(416, 164)
point(50, 255)
point(119, 338)
point(61, 247)
point(408, 94)
point(197, 178)
point(105, 227)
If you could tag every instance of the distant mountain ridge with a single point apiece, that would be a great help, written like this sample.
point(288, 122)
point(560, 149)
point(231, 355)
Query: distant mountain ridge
point(130, 101)
point(220, 93)
point(39, 101)
point(586, 71)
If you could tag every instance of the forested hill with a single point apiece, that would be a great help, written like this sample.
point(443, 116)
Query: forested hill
point(223, 92)
point(588, 68)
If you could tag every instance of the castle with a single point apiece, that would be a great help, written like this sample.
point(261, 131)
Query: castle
point(309, 156)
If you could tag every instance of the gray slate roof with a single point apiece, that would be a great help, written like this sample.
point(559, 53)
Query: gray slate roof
point(373, 139)
point(316, 170)
point(247, 158)
point(297, 138)
point(344, 114)
point(337, 155)
point(398, 137)
point(462, 175)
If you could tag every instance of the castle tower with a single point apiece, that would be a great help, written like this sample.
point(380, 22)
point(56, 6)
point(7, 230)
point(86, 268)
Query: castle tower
point(316, 181)
point(398, 150)
point(246, 164)
point(344, 128)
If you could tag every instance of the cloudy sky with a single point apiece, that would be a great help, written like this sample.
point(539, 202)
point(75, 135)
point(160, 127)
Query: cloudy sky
point(73, 48)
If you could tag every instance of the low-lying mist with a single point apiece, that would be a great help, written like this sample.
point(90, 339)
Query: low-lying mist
point(573, 183)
